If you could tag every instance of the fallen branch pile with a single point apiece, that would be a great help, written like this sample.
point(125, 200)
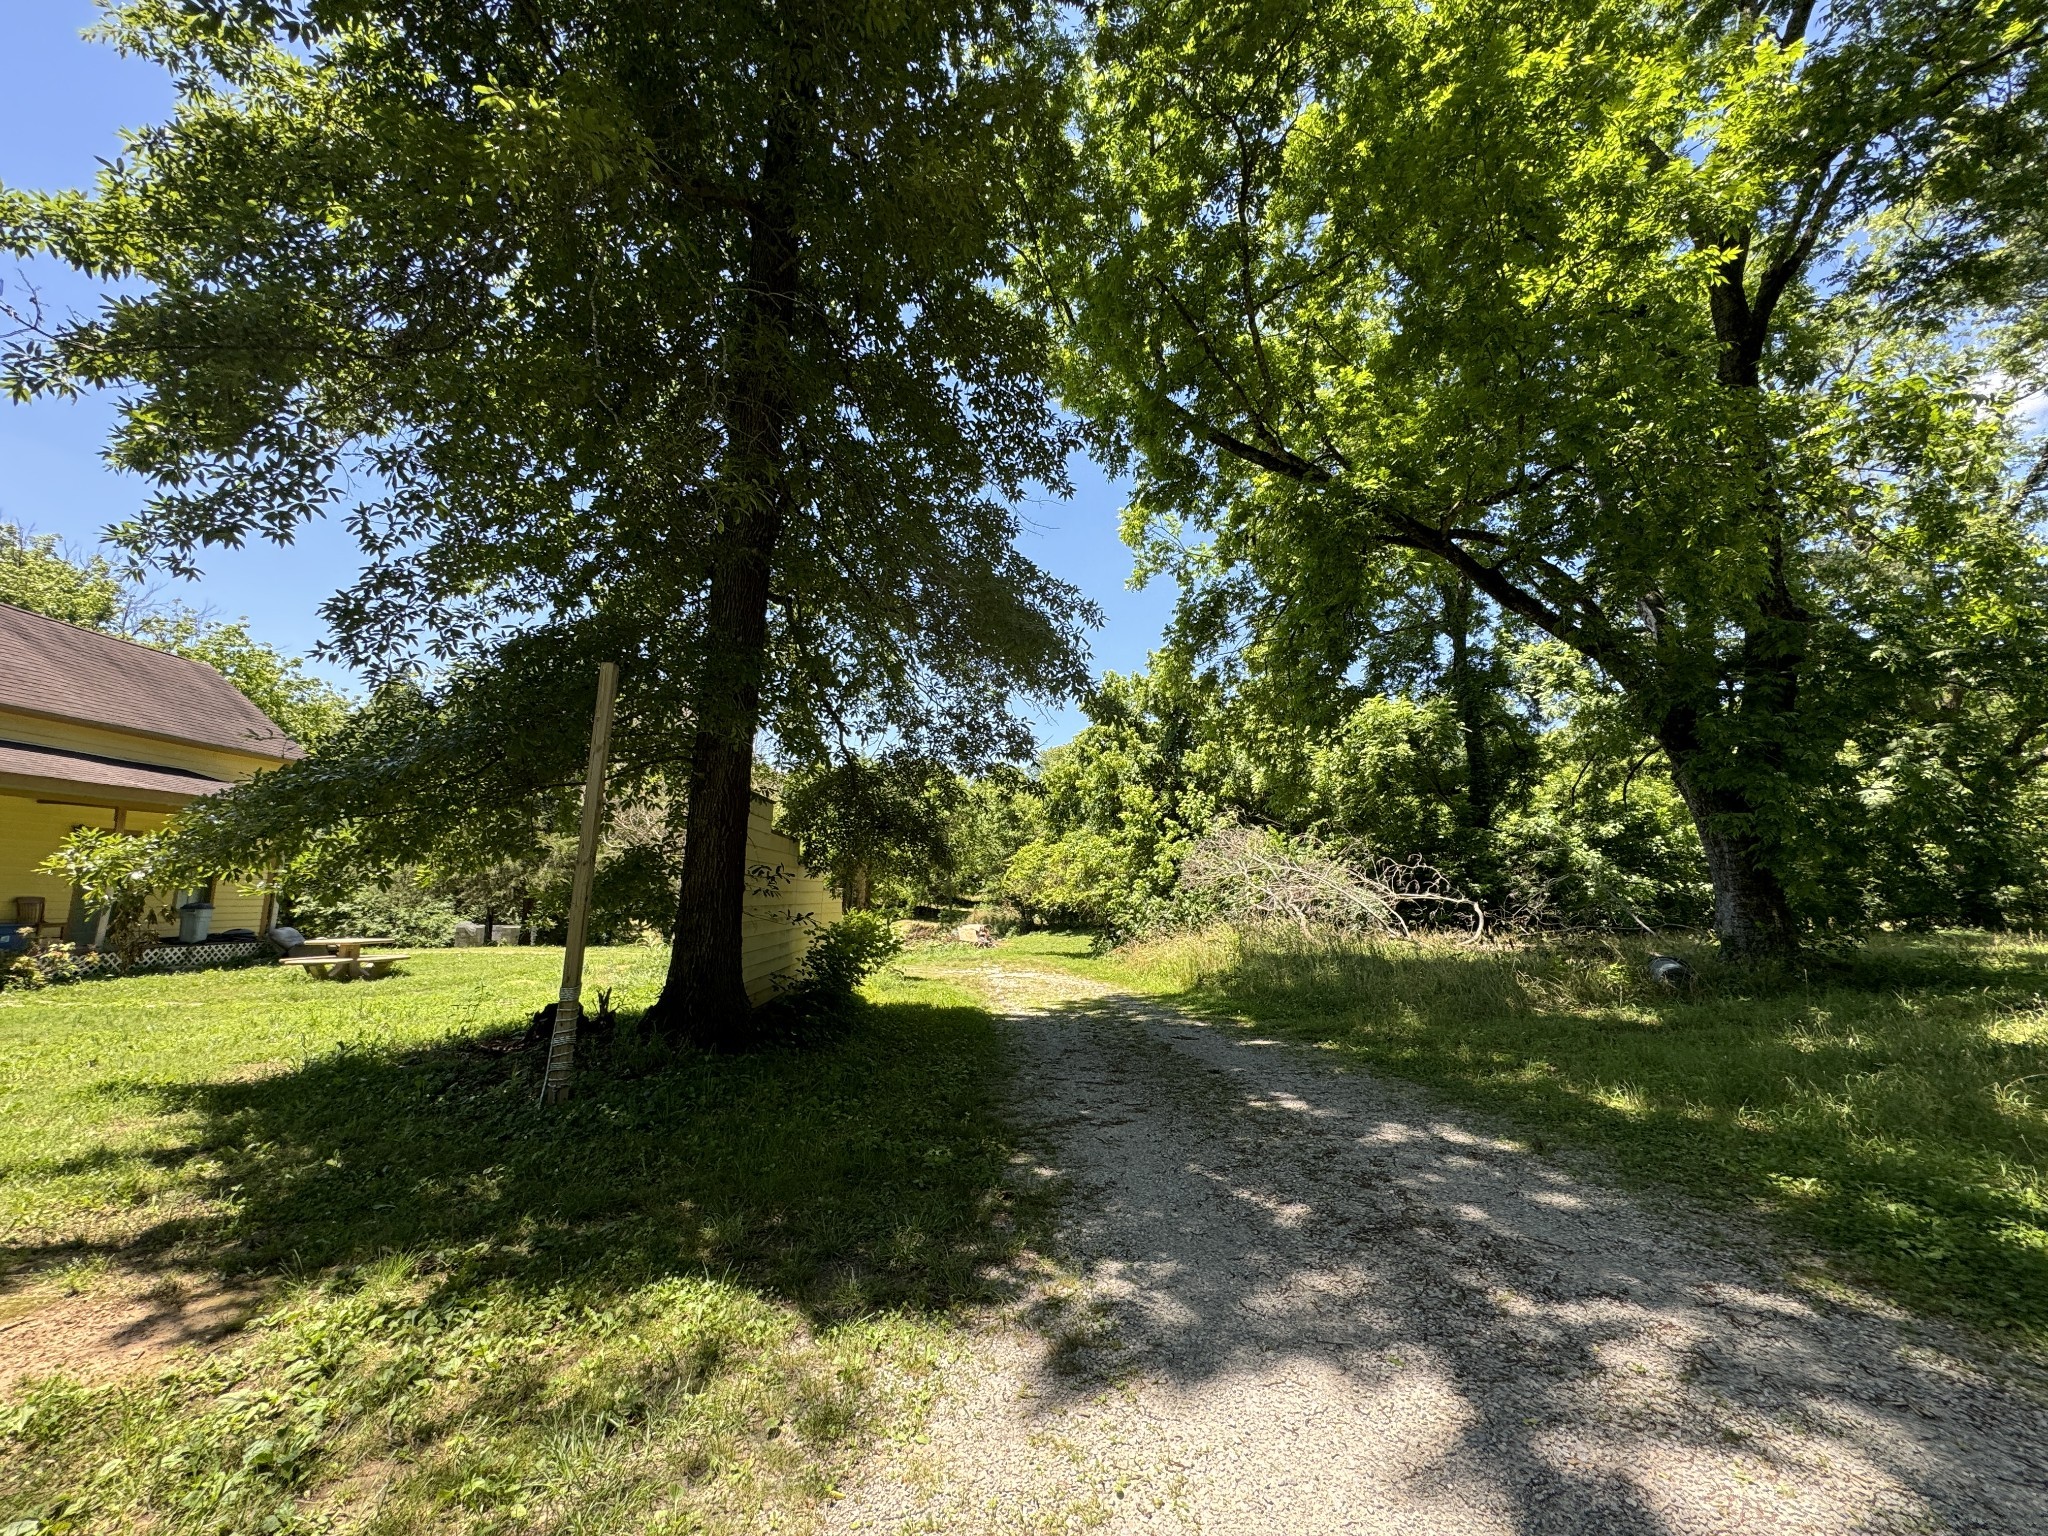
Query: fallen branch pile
point(1254, 877)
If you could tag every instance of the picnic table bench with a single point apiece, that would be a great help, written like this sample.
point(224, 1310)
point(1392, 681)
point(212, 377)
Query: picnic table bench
point(343, 959)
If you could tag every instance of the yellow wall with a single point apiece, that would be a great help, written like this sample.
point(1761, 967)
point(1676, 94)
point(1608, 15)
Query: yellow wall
point(236, 906)
point(30, 833)
point(31, 830)
point(773, 930)
point(102, 741)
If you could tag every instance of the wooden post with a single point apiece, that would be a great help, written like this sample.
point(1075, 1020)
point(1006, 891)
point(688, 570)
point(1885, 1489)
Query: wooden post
point(568, 1011)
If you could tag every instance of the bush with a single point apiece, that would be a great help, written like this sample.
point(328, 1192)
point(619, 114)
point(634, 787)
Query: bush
point(54, 964)
point(400, 909)
point(1082, 879)
point(825, 992)
point(845, 954)
point(126, 876)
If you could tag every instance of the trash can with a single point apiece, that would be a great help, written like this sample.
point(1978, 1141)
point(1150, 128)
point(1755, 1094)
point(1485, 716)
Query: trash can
point(195, 921)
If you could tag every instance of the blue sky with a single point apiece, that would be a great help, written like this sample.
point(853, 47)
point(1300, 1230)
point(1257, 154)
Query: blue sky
point(65, 102)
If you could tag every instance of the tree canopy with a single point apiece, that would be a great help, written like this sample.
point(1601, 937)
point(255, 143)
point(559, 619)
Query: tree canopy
point(1692, 340)
point(676, 325)
point(1568, 420)
point(873, 821)
point(39, 574)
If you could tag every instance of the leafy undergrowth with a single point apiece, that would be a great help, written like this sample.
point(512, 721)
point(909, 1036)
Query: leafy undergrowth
point(1890, 1107)
point(679, 1303)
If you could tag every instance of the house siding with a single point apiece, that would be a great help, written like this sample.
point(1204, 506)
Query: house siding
point(33, 824)
point(30, 831)
point(102, 741)
point(28, 834)
point(786, 903)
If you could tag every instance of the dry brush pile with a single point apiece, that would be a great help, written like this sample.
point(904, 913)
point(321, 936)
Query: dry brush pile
point(1254, 878)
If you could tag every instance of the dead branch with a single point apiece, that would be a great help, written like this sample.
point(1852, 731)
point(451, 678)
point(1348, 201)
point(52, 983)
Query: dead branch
point(1254, 877)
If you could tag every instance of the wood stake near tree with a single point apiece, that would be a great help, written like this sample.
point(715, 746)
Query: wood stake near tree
point(569, 1009)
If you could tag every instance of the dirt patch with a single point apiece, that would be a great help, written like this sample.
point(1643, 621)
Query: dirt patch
point(124, 1325)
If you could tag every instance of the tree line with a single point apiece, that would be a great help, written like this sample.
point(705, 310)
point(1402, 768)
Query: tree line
point(1494, 380)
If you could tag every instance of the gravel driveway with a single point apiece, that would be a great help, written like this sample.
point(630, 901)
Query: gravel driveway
point(1297, 1299)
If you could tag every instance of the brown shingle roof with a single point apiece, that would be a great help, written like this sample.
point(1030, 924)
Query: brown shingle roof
point(49, 767)
point(48, 667)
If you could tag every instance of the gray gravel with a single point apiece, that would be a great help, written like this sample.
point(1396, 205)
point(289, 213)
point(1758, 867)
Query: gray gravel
point(1296, 1299)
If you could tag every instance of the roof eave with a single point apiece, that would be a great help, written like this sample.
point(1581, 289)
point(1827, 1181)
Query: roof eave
point(244, 750)
point(105, 796)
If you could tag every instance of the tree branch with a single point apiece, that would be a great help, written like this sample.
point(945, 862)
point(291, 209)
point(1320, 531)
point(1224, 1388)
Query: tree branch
point(1284, 462)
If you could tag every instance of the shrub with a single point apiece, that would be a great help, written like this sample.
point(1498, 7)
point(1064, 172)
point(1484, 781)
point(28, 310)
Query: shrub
point(845, 954)
point(1082, 880)
point(400, 908)
point(825, 992)
point(129, 877)
point(54, 964)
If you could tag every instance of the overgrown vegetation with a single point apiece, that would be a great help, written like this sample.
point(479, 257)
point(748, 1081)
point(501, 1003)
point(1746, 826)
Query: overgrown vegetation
point(1693, 345)
point(405, 905)
point(825, 994)
point(1581, 828)
point(677, 1304)
point(1890, 1108)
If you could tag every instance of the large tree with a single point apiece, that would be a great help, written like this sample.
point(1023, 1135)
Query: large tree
point(1673, 332)
point(670, 324)
point(873, 821)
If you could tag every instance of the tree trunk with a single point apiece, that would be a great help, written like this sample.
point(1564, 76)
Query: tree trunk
point(1752, 914)
point(705, 995)
point(704, 998)
point(1471, 695)
point(1752, 917)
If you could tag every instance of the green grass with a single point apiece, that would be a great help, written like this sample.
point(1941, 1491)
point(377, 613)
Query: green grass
point(1890, 1109)
point(681, 1302)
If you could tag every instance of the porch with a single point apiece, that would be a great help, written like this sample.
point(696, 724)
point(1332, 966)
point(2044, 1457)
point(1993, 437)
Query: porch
point(32, 826)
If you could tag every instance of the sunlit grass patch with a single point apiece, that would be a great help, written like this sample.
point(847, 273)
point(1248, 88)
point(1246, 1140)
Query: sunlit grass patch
point(374, 1402)
point(1890, 1107)
point(681, 1302)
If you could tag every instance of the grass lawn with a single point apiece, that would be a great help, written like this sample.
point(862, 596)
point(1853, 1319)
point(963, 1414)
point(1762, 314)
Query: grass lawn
point(1890, 1110)
point(680, 1303)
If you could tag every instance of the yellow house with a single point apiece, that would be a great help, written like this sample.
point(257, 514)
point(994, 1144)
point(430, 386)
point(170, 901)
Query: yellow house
point(97, 731)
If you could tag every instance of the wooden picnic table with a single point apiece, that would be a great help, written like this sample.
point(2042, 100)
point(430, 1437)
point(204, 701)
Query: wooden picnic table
point(342, 959)
point(350, 947)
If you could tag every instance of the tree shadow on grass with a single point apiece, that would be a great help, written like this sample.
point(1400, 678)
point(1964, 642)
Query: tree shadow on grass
point(865, 1174)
